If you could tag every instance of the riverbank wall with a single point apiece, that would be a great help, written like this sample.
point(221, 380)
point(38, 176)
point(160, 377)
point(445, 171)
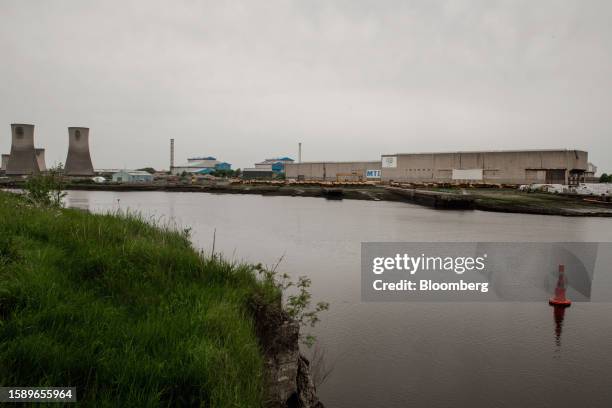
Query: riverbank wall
point(489, 199)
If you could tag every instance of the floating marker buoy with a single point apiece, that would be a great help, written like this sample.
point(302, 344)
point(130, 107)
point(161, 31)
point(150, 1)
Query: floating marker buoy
point(559, 299)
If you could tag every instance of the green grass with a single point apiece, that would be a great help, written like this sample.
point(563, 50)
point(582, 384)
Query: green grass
point(128, 313)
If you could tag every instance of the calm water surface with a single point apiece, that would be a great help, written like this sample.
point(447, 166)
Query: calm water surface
point(407, 354)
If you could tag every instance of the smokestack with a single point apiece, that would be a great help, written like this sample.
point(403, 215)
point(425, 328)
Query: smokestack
point(40, 159)
point(300, 152)
point(78, 161)
point(23, 156)
point(171, 154)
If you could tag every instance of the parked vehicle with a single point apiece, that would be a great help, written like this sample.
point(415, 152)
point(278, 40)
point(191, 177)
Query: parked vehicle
point(594, 189)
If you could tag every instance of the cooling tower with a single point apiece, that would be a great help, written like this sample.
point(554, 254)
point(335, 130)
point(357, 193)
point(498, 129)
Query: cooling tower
point(40, 159)
point(78, 162)
point(23, 156)
point(5, 158)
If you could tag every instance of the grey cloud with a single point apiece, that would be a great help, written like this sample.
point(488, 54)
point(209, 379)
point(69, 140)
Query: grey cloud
point(350, 79)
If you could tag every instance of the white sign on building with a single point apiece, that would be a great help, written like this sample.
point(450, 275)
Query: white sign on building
point(389, 162)
point(373, 174)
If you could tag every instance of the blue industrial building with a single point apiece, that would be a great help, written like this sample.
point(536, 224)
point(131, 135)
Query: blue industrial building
point(201, 165)
point(277, 165)
point(223, 166)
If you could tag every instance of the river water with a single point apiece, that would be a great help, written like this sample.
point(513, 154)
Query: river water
point(406, 354)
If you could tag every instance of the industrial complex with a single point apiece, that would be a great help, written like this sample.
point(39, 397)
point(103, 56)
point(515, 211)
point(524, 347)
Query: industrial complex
point(487, 167)
point(501, 167)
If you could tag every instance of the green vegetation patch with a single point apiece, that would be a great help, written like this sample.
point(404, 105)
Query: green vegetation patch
point(128, 313)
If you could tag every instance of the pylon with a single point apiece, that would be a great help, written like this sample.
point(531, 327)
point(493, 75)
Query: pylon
point(559, 299)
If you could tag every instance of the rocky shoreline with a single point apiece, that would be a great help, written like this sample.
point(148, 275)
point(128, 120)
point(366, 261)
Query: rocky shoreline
point(288, 380)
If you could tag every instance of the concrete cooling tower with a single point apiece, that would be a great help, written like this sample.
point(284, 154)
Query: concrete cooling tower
point(23, 156)
point(5, 158)
point(78, 162)
point(40, 159)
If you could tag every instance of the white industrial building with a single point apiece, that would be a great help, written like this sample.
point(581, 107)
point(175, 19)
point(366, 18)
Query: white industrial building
point(201, 165)
point(132, 176)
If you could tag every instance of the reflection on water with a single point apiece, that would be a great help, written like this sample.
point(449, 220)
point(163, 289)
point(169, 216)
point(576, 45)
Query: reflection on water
point(409, 354)
point(80, 203)
point(559, 315)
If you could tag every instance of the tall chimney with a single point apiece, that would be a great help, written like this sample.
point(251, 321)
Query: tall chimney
point(299, 152)
point(171, 154)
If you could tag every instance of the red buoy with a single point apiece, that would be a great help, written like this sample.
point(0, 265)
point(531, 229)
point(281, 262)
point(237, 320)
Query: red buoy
point(559, 299)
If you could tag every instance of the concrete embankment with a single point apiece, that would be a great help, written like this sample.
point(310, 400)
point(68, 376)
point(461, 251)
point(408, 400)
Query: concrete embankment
point(567, 209)
point(436, 199)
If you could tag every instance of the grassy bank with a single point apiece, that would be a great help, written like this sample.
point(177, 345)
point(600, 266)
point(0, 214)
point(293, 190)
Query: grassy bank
point(128, 313)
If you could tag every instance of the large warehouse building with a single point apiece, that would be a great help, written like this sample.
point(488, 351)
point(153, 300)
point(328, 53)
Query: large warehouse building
point(491, 167)
point(334, 171)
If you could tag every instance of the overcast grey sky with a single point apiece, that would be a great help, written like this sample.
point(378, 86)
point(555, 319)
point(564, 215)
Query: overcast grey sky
point(245, 80)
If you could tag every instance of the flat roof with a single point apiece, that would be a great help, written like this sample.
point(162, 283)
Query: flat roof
point(338, 162)
point(195, 166)
point(135, 172)
point(490, 151)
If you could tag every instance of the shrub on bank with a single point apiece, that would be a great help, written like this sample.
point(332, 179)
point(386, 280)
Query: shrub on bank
point(128, 313)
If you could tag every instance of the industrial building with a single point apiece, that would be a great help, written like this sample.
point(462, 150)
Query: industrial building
point(78, 161)
point(201, 165)
point(257, 173)
point(560, 166)
point(267, 169)
point(132, 176)
point(491, 167)
point(334, 171)
point(276, 165)
point(22, 160)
